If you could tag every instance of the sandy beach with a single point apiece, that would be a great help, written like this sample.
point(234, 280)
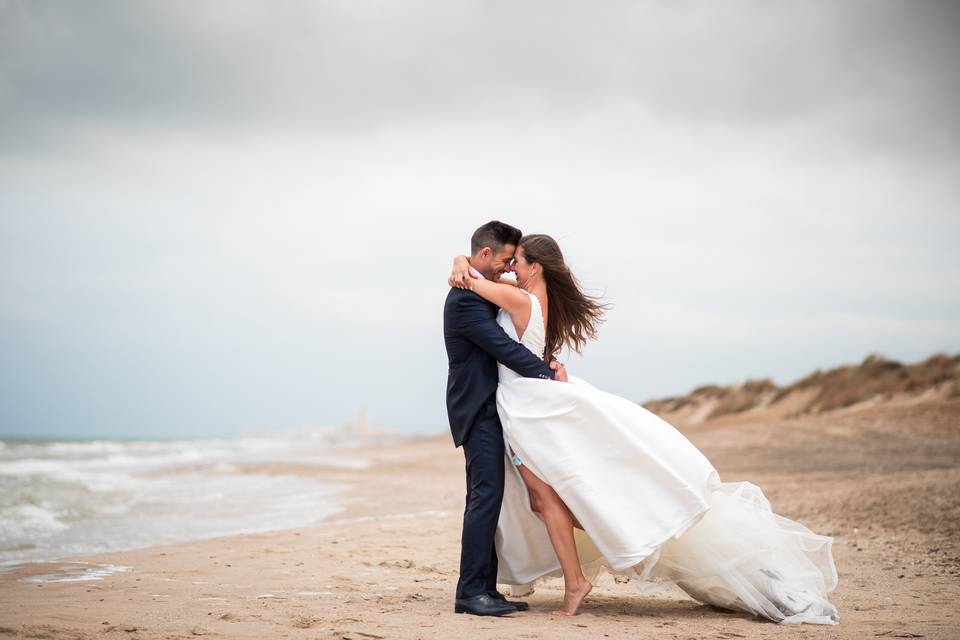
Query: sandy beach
point(884, 481)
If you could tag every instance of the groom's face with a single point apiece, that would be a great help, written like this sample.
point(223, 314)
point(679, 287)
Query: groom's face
point(502, 259)
point(494, 263)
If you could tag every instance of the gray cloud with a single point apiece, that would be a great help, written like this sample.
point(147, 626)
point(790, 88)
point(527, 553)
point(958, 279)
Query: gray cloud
point(876, 72)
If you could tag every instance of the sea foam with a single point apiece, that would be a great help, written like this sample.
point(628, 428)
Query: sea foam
point(70, 498)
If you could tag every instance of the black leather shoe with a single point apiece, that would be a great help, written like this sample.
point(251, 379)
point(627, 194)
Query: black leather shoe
point(519, 606)
point(482, 605)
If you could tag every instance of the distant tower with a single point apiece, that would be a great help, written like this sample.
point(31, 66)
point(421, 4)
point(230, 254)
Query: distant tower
point(360, 425)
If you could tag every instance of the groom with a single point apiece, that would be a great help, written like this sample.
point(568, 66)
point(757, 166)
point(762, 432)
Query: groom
point(475, 343)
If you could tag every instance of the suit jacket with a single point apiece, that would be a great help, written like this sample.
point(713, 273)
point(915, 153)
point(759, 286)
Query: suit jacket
point(475, 343)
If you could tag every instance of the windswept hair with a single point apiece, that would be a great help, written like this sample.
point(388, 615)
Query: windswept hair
point(572, 316)
point(494, 234)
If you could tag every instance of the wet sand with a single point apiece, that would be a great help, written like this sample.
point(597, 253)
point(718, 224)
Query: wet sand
point(883, 480)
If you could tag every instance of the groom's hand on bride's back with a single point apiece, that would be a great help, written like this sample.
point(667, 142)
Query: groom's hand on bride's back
point(559, 371)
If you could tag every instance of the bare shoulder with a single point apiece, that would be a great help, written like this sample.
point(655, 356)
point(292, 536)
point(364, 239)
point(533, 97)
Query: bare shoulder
point(514, 299)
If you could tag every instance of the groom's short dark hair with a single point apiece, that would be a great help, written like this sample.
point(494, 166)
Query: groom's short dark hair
point(494, 234)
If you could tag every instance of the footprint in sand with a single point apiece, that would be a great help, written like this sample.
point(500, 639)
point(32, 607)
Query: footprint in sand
point(303, 622)
point(401, 564)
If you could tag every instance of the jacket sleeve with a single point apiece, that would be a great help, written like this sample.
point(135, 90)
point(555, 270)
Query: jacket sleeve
point(476, 324)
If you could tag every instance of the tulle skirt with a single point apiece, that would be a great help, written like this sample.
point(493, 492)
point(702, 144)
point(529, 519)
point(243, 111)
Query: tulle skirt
point(652, 508)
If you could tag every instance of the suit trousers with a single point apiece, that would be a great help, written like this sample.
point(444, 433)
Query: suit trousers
point(483, 451)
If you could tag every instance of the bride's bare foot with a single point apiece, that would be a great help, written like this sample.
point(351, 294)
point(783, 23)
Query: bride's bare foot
point(573, 598)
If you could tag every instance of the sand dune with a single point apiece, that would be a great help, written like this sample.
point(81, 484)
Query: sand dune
point(874, 381)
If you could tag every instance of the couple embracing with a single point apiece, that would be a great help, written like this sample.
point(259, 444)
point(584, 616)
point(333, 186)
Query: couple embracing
point(565, 479)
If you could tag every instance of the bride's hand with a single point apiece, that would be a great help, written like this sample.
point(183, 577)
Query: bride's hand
point(460, 276)
point(559, 371)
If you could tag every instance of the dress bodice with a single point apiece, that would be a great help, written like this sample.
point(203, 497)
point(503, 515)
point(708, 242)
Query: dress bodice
point(534, 338)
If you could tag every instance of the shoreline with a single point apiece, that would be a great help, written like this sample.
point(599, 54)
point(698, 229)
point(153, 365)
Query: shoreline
point(386, 566)
point(340, 479)
point(68, 500)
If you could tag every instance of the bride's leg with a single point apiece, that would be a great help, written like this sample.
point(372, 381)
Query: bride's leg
point(560, 522)
point(576, 523)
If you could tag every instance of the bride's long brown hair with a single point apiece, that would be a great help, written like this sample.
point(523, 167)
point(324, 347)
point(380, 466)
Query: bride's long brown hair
point(573, 316)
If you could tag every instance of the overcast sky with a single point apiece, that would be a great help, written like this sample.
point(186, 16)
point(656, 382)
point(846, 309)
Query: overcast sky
point(226, 217)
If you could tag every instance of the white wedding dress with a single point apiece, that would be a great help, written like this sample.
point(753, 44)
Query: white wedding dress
point(651, 505)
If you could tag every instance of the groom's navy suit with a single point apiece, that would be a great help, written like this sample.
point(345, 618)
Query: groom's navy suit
point(475, 343)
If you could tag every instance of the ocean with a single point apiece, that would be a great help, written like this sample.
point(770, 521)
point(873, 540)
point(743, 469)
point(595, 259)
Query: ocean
point(75, 497)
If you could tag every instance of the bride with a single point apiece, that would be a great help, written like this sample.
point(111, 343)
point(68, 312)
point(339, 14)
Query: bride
point(597, 482)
